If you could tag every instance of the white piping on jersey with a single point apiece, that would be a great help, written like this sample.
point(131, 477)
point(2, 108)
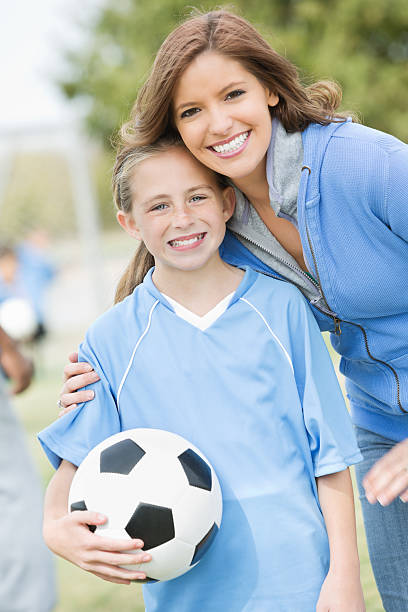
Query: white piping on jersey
point(272, 333)
point(122, 382)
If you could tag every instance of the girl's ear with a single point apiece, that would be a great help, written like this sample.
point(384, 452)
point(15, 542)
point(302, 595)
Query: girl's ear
point(228, 200)
point(126, 221)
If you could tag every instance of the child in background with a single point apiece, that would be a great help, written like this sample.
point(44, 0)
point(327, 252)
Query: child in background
point(233, 361)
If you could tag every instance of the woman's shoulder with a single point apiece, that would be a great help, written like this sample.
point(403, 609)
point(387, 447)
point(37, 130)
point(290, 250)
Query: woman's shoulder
point(348, 133)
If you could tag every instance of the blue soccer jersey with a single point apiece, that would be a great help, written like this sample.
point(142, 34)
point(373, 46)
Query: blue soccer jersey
point(257, 393)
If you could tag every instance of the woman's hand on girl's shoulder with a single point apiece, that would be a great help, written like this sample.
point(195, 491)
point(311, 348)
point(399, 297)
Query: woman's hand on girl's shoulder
point(76, 376)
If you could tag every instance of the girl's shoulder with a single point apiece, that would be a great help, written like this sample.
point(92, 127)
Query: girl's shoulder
point(126, 319)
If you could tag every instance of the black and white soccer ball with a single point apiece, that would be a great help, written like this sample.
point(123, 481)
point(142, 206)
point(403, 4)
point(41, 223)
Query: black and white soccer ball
point(156, 486)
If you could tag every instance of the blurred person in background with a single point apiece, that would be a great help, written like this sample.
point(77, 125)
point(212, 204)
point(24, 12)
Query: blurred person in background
point(25, 275)
point(27, 581)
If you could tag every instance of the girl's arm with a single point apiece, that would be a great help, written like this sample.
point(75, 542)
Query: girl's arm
point(341, 591)
point(67, 535)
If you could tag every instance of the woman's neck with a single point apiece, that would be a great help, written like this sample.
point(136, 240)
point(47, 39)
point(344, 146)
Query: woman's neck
point(198, 290)
point(255, 186)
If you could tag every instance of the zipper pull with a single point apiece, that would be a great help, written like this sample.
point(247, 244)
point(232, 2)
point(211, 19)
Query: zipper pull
point(337, 328)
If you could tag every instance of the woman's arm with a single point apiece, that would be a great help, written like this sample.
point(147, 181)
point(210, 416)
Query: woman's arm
point(67, 535)
point(341, 590)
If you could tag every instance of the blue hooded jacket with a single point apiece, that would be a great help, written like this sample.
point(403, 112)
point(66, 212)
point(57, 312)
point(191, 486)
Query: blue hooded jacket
point(353, 223)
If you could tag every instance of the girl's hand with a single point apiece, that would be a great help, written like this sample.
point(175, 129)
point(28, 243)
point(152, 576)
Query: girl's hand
point(70, 537)
point(341, 592)
point(388, 478)
point(76, 376)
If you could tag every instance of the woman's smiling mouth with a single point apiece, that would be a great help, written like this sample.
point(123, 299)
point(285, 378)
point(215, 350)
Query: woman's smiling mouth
point(231, 147)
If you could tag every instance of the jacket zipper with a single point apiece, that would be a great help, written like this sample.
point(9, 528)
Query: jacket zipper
point(337, 327)
point(296, 269)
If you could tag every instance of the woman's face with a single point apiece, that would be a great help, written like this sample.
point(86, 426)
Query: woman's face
point(222, 113)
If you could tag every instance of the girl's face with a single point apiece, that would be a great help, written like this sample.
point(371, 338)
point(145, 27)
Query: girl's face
point(178, 211)
point(222, 113)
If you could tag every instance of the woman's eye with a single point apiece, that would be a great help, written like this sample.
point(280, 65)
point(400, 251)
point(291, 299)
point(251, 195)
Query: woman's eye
point(234, 94)
point(189, 112)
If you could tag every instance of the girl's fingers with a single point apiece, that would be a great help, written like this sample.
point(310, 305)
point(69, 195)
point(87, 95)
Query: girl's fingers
point(114, 580)
point(73, 357)
point(116, 545)
point(110, 571)
point(119, 559)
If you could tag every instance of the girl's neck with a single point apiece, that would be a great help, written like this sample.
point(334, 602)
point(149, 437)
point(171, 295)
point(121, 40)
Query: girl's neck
point(198, 290)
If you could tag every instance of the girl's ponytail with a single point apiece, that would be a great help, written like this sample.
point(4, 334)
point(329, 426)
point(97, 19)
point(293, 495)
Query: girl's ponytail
point(135, 272)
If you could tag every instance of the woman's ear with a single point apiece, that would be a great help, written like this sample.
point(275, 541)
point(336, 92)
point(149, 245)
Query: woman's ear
point(272, 99)
point(128, 223)
point(228, 200)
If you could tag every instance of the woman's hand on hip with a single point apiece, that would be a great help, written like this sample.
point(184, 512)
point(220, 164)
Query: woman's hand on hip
point(388, 478)
point(76, 376)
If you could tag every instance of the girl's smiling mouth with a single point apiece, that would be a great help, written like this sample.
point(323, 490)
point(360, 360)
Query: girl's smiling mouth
point(232, 146)
point(187, 242)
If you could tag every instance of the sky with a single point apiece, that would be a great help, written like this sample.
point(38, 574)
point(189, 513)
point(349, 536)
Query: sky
point(33, 36)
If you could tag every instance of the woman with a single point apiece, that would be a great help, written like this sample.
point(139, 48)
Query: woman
point(321, 203)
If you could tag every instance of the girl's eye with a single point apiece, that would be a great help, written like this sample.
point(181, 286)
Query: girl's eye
point(159, 207)
point(197, 198)
point(189, 112)
point(234, 94)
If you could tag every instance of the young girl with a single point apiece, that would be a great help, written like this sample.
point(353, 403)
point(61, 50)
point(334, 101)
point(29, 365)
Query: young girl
point(233, 361)
point(322, 202)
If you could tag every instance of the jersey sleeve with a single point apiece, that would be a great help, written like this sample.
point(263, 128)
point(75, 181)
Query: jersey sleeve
point(72, 436)
point(328, 424)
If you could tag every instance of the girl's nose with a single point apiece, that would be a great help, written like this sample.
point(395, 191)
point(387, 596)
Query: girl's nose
point(182, 216)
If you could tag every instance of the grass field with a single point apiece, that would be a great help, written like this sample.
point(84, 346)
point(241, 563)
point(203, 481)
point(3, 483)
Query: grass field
point(79, 591)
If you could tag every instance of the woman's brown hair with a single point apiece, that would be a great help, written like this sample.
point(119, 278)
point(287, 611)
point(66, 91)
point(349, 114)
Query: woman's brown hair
point(228, 34)
point(127, 159)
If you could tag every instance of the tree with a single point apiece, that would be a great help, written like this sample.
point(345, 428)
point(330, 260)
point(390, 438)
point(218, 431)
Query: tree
point(362, 44)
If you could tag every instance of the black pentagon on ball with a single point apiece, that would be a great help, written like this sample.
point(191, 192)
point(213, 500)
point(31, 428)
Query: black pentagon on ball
point(81, 505)
point(152, 524)
point(198, 472)
point(204, 545)
point(121, 458)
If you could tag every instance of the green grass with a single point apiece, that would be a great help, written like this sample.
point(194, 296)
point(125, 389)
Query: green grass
point(78, 590)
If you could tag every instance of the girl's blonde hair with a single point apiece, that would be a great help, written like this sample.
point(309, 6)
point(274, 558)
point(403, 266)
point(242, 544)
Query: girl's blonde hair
point(230, 35)
point(128, 158)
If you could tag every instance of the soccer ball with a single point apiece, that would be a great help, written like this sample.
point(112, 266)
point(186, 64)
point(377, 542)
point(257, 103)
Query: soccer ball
point(156, 486)
point(18, 318)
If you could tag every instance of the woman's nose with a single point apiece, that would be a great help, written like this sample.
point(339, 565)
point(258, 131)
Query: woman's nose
point(220, 122)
